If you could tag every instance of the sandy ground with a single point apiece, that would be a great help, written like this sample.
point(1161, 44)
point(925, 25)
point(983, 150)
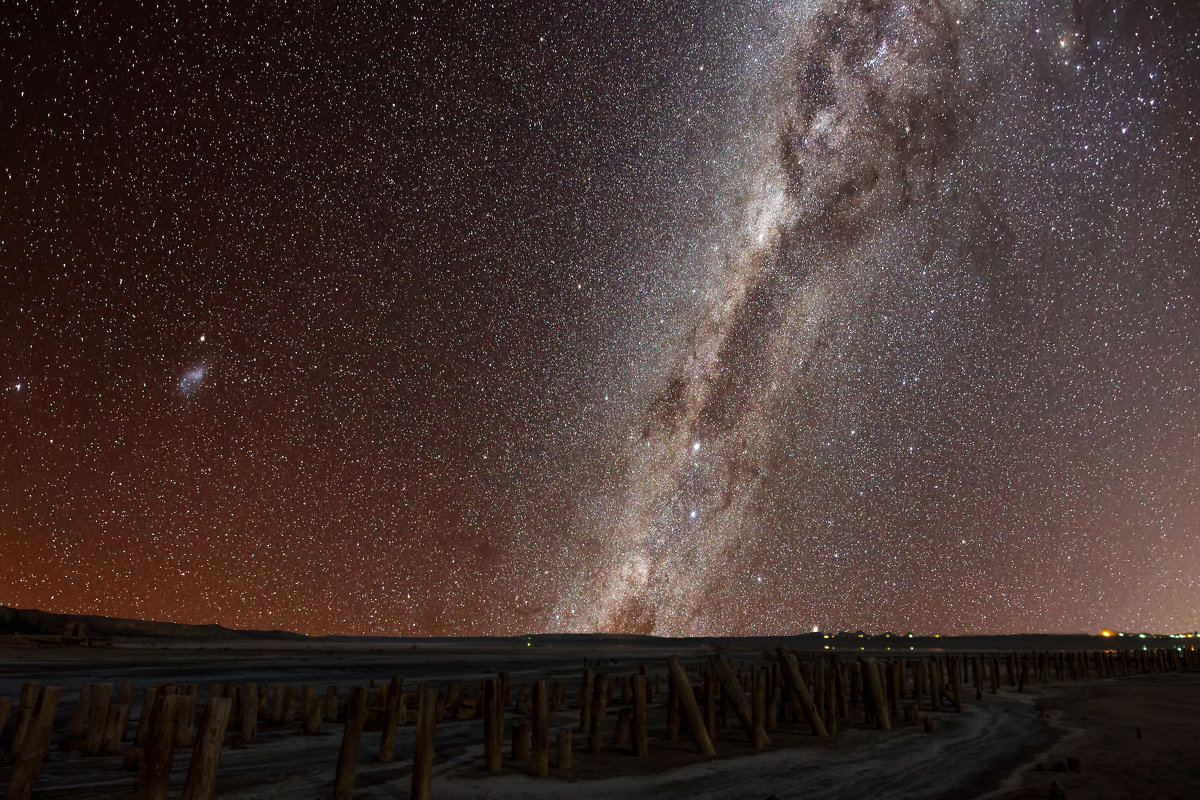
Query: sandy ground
point(990, 750)
point(1135, 737)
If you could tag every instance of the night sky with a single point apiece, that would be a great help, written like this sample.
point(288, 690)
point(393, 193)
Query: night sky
point(655, 316)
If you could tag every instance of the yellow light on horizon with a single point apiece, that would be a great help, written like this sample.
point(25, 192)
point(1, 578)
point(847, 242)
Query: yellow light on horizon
point(1106, 632)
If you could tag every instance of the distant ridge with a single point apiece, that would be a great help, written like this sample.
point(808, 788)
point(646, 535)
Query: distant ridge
point(43, 623)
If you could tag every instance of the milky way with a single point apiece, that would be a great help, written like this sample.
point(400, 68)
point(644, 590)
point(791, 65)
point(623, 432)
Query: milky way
point(876, 159)
point(661, 316)
point(870, 106)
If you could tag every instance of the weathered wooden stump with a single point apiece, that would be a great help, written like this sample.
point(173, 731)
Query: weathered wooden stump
point(314, 717)
point(185, 719)
point(422, 775)
point(249, 713)
point(347, 764)
point(391, 718)
point(200, 783)
point(26, 702)
point(520, 741)
point(563, 750)
point(34, 743)
point(159, 749)
point(77, 725)
point(624, 723)
point(331, 704)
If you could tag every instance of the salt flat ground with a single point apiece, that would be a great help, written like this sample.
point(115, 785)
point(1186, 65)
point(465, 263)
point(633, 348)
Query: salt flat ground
point(1135, 736)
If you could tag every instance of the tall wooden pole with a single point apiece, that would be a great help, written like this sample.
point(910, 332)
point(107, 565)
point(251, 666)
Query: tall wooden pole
point(595, 741)
point(422, 774)
point(585, 702)
point(758, 706)
point(682, 688)
point(493, 726)
point(797, 691)
point(874, 691)
point(737, 697)
point(540, 717)
point(641, 746)
point(347, 765)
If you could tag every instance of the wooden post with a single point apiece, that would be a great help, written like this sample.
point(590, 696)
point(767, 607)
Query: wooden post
point(758, 705)
point(288, 713)
point(493, 726)
point(830, 703)
point(391, 718)
point(30, 692)
point(681, 687)
point(249, 713)
point(709, 685)
point(935, 683)
point(149, 697)
point(641, 747)
point(520, 740)
point(843, 687)
point(77, 725)
point(731, 689)
point(422, 774)
point(563, 750)
point(818, 684)
point(306, 697)
point(276, 714)
point(159, 749)
point(185, 719)
point(331, 703)
point(956, 683)
point(347, 765)
point(202, 769)
point(114, 728)
point(797, 691)
point(6, 704)
point(874, 693)
point(585, 702)
point(672, 712)
point(624, 723)
point(35, 739)
point(314, 717)
point(540, 717)
point(595, 741)
point(895, 686)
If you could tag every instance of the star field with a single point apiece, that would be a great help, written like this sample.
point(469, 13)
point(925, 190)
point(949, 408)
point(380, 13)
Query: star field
point(684, 318)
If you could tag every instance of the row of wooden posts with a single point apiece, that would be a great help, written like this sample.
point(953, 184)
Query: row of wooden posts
point(703, 698)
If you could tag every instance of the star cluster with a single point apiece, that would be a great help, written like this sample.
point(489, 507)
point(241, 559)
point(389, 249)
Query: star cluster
point(675, 317)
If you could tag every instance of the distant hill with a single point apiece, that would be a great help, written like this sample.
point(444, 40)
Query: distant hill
point(33, 622)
